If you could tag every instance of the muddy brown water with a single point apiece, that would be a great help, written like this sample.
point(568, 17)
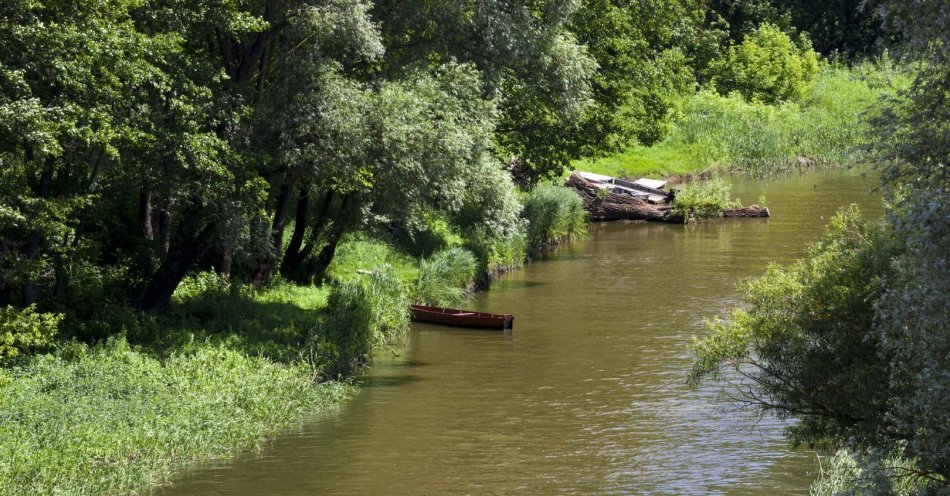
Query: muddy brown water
point(587, 395)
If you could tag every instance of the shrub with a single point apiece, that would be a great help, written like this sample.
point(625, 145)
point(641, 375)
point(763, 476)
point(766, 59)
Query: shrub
point(444, 277)
point(363, 315)
point(704, 199)
point(554, 214)
point(767, 67)
point(804, 344)
point(23, 331)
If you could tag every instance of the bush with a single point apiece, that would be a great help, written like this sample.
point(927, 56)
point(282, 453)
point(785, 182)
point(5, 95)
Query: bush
point(767, 67)
point(444, 277)
point(23, 331)
point(804, 345)
point(361, 316)
point(554, 214)
point(704, 200)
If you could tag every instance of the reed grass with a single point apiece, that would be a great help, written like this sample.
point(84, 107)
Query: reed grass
point(704, 199)
point(444, 277)
point(555, 214)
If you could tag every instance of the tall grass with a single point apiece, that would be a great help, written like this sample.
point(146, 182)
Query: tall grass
point(554, 214)
point(708, 131)
point(113, 420)
point(362, 316)
point(495, 255)
point(444, 277)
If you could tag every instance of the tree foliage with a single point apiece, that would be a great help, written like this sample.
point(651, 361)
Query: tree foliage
point(853, 342)
point(767, 67)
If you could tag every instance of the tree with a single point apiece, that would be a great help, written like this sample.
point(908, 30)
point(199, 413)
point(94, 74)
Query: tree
point(767, 67)
point(853, 341)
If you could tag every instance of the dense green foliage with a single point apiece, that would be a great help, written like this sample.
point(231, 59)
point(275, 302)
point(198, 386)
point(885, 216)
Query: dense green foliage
point(708, 131)
point(852, 342)
point(25, 331)
point(767, 67)
point(850, 28)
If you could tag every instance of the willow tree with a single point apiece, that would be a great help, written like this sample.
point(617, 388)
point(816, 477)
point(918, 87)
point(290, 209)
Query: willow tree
point(386, 154)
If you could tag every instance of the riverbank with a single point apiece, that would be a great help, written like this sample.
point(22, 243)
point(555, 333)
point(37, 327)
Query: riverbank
point(587, 396)
point(228, 366)
point(711, 134)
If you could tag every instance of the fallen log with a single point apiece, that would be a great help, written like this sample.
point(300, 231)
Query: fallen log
point(612, 206)
point(604, 206)
point(750, 211)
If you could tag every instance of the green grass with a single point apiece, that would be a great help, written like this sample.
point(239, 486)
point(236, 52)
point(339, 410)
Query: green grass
point(115, 420)
point(357, 254)
point(554, 214)
point(711, 132)
point(227, 367)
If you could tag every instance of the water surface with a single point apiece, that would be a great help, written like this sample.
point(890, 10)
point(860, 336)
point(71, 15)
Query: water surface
point(587, 395)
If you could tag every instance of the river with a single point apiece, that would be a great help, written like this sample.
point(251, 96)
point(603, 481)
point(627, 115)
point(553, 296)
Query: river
point(587, 395)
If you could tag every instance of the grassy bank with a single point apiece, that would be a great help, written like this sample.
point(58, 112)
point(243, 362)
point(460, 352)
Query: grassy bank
point(716, 133)
point(113, 420)
point(228, 365)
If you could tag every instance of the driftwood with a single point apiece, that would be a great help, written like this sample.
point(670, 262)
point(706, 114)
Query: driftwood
point(750, 211)
point(614, 206)
point(617, 207)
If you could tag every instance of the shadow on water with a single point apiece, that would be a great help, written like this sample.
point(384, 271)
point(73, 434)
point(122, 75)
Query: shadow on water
point(388, 381)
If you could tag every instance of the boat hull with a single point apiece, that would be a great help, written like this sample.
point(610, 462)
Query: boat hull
point(461, 318)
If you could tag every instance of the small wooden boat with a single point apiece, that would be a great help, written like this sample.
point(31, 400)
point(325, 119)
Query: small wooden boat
point(461, 318)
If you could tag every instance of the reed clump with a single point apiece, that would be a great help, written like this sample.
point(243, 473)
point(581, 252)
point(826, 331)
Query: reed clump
point(704, 200)
point(554, 215)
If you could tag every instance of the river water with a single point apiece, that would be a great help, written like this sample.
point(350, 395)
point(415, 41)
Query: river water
point(587, 395)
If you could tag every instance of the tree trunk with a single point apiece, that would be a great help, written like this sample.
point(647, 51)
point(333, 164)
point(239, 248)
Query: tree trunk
point(317, 266)
point(297, 252)
point(265, 269)
point(181, 257)
point(227, 260)
point(33, 243)
point(145, 213)
point(300, 226)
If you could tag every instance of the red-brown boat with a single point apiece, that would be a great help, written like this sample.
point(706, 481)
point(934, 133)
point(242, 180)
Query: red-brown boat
point(461, 318)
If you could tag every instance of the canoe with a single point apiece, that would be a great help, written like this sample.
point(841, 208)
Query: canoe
point(461, 318)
